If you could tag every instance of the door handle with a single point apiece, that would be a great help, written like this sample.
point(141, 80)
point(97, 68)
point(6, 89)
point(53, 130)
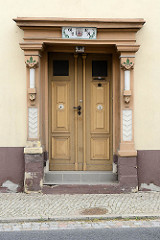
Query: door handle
point(78, 108)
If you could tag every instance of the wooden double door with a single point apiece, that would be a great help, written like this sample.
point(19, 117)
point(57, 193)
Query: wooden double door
point(80, 103)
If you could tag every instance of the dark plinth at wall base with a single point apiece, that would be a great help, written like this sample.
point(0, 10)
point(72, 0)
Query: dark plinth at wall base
point(127, 173)
point(149, 170)
point(133, 172)
point(34, 165)
point(11, 169)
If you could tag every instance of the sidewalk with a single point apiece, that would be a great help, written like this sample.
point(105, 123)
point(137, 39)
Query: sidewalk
point(16, 207)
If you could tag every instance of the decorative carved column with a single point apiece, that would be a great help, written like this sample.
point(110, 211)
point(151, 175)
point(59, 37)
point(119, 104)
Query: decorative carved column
point(33, 150)
point(127, 162)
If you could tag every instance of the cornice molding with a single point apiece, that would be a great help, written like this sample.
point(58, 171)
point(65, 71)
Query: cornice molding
point(32, 46)
point(108, 23)
point(127, 48)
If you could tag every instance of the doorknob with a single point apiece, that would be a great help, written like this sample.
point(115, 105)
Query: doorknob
point(78, 108)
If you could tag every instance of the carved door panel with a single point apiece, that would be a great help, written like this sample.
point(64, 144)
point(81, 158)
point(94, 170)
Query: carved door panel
point(80, 112)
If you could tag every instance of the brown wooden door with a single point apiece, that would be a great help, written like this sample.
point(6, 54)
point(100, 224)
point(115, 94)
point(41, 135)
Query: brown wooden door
point(98, 113)
point(80, 139)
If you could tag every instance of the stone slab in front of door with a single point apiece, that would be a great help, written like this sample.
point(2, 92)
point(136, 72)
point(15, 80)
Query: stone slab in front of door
point(79, 177)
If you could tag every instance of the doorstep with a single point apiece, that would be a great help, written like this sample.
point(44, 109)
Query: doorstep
point(79, 177)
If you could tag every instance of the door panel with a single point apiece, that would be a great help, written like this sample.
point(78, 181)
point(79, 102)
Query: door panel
point(60, 108)
point(100, 148)
point(80, 141)
point(61, 148)
point(100, 107)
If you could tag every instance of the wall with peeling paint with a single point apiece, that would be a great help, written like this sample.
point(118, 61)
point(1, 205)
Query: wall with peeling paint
point(11, 169)
point(148, 163)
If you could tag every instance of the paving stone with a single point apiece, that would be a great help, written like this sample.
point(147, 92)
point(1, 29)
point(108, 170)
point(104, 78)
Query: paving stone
point(35, 207)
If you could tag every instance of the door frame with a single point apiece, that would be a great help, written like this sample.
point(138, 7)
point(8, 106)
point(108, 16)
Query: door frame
point(115, 105)
point(42, 33)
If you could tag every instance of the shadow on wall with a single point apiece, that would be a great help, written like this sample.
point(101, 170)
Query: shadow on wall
point(11, 169)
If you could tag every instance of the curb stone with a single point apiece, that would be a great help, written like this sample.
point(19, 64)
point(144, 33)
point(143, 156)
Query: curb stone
point(66, 225)
point(81, 218)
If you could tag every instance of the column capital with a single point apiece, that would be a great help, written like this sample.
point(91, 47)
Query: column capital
point(32, 49)
point(31, 62)
point(127, 63)
point(75, 55)
point(84, 55)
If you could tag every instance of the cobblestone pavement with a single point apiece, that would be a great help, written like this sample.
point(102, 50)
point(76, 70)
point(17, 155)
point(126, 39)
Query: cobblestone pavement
point(37, 207)
point(59, 225)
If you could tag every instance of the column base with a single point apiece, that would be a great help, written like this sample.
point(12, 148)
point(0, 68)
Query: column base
point(127, 150)
point(127, 173)
point(34, 169)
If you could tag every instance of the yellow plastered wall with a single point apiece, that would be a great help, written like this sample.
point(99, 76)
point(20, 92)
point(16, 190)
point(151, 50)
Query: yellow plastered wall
point(147, 71)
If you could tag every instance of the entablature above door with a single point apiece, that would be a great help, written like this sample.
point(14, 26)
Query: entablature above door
point(48, 31)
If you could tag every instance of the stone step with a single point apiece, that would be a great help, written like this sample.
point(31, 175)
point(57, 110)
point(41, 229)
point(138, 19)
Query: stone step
point(80, 177)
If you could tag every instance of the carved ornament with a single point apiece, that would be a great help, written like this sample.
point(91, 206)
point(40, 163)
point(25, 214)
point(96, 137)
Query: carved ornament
point(127, 96)
point(127, 65)
point(127, 99)
point(32, 96)
point(31, 63)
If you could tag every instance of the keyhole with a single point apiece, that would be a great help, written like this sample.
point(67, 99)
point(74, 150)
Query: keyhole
point(99, 85)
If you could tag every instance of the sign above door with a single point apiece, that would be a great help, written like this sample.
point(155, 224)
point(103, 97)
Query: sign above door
point(79, 32)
